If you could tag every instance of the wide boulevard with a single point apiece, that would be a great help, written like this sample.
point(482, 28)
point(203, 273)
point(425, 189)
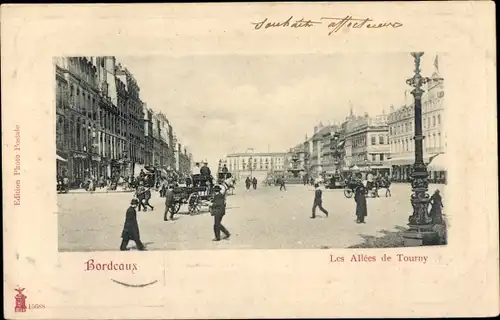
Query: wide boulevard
point(266, 218)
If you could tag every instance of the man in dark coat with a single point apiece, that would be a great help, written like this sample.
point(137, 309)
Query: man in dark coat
point(140, 194)
point(169, 203)
point(224, 169)
point(360, 198)
point(281, 182)
point(206, 174)
point(147, 196)
point(131, 228)
point(218, 210)
point(248, 183)
point(254, 183)
point(318, 201)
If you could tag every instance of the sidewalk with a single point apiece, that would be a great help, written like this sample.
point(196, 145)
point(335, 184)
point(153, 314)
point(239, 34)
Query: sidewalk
point(103, 190)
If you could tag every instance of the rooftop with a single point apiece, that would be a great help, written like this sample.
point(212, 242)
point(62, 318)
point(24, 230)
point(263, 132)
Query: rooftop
point(243, 154)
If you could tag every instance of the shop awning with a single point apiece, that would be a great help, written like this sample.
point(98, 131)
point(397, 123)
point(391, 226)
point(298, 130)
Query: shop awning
point(437, 164)
point(58, 157)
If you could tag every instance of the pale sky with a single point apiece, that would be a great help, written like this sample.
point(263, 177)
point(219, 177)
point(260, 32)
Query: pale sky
point(219, 104)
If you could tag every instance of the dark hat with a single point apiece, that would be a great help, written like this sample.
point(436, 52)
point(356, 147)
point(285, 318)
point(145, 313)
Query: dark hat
point(217, 188)
point(134, 201)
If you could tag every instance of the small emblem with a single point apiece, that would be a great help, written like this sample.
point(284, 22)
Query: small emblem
point(20, 300)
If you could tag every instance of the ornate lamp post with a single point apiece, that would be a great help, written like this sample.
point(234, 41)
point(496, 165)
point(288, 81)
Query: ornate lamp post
point(335, 151)
point(420, 224)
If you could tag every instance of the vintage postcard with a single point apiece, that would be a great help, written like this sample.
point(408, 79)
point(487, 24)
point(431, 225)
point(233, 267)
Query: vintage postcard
point(249, 160)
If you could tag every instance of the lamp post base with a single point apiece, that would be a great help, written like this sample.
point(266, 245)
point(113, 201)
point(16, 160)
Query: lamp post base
point(421, 235)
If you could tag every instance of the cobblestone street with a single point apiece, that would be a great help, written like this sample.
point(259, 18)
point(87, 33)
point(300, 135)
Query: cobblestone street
point(265, 218)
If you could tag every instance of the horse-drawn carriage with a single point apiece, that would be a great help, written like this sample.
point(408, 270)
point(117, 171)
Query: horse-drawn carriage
point(371, 187)
point(200, 194)
point(195, 196)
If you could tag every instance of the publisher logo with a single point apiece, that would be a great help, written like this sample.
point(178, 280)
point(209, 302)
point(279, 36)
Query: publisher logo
point(21, 305)
point(20, 300)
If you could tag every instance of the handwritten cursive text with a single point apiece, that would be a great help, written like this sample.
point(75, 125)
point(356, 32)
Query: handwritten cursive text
point(349, 22)
point(286, 23)
point(333, 24)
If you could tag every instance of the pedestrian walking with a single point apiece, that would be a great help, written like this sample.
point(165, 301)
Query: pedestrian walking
point(282, 183)
point(131, 228)
point(218, 210)
point(169, 203)
point(248, 183)
point(140, 195)
point(318, 201)
point(360, 198)
point(147, 196)
point(254, 183)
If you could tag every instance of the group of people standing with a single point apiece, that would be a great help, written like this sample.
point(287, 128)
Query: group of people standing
point(251, 182)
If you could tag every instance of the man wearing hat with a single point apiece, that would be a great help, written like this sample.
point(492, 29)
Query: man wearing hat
point(169, 203)
point(131, 228)
point(218, 210)
point(205, 173)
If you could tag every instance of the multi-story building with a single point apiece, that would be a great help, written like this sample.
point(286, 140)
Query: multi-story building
point(164, 141)
point(255, 164)
point(148, 137)
point(62, 119)
point(135, 120)
point(171, 149)
point(176, 147)
point(185, 163)
point(329, 158)
point(102, 125)
point(157, 146)
point(111, 137)
point(77, 125)
point(318, 146)
point(367, 143)
point(402, 130)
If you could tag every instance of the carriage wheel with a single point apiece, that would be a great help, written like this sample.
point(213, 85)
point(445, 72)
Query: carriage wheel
point(193, 203)
point(176, 207)
point(348, 193)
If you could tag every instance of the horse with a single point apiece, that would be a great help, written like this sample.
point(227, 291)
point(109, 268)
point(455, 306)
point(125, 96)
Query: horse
point(382, 183)
point(227, 185)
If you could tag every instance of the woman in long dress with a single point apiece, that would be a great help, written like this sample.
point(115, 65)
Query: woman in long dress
point(436, 207)
point(360, 198)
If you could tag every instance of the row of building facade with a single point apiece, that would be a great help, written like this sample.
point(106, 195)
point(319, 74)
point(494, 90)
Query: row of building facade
point(255, 164)
point(103, 128)
point(382, 143)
